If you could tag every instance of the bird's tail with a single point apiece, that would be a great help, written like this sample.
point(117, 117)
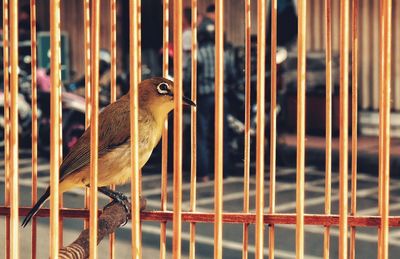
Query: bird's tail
point(36, 208)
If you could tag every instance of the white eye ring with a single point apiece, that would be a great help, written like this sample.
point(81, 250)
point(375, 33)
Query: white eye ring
point(163, 88)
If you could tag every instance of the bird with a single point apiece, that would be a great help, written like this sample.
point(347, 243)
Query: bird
point(156, 100)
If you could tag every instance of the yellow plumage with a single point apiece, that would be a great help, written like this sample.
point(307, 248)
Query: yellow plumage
point(156, 100)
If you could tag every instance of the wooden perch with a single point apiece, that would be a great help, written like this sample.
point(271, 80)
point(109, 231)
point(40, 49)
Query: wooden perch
point(113, 216)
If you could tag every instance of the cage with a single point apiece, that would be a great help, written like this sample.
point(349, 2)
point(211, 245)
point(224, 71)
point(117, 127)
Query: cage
point(275, 205)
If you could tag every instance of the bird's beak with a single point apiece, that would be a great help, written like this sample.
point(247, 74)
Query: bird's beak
point(187, 101)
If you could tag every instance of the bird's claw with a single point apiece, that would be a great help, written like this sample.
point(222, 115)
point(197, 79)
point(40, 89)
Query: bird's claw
point(121, 199)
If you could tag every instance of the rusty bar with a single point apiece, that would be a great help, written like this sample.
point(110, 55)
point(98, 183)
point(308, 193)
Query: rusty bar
point(113, 44)
point(379, 98)
point(230, 218)
point(246, 172)
point(219, 110)
point(177, 179)
point(272, 160)
point(55, 129)
point(396, 63)
point(343, 139)
point(384, 134)
point(86, 8)
point(164, 155)
point(328, 121)
point(139, 24)
point(14, 196)
point(139, 72)
point(94, 125)
point(193, 131)
point(86, 11)
point(134, 108)
point(301, 95)
point(261, 34)
point(60, 145)
point(354, 84)
point(113, 86)
point(34, 123)
point(6, 78)
point(375, 33)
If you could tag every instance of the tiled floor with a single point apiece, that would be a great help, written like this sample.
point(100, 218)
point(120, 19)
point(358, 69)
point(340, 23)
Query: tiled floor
point(367, 201)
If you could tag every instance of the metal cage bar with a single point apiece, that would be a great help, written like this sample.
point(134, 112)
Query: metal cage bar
point(134, 131)
point(177, 178)
point(343, 139)
point(229, 218)
point(6, 63)
point(139, 36)
point(261, 33)
point(113, 86)
point(328, 121)
point(272, 163)
point(164, 154)
point(94, 125)
point(301, 96)
point(193, 131)
point(384, 132)
point(354, 105)
point(34, 123)
point(86, 28)
point(55, 129)
point(219, 111)
point(246, 171)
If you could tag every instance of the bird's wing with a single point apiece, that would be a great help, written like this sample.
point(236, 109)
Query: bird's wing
point(114, 129)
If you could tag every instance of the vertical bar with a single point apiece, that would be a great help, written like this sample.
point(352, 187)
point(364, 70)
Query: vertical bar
point(343, 139)
point(14, 129)
point(60, 141)
point(374, 20)
point(219, 109)
point(379, 99)
point(193, 132)
point(396, 63)
point(328, 121)
point(354, 106)
point(113, 89)
point(6, 58)
point(113, 44)
point(246, 176)
point(273, 127)
point(34, 123)
point(384, 134)
point(164, 160)
point(139, 24)
point(134, 108)
point(86, 10)
point(177, 184)
point(94, 125)
point(365, 31)
point(261, 35)
point(55, 129)
point(301, 105)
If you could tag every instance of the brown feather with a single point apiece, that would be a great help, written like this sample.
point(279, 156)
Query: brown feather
point(110, 136)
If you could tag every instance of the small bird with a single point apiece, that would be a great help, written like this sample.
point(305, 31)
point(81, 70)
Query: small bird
point(156, 100)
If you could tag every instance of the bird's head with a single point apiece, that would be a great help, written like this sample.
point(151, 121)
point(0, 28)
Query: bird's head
point(157, 94)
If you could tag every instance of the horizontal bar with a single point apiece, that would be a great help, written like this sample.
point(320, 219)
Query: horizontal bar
point(232, 218)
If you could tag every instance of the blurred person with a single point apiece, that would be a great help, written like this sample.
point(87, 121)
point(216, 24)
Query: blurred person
point(206, 98)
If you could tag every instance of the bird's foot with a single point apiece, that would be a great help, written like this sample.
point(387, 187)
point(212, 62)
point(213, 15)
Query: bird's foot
point(117, 197)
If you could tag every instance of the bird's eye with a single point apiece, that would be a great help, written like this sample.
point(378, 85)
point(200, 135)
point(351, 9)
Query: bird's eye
point(163, 88)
